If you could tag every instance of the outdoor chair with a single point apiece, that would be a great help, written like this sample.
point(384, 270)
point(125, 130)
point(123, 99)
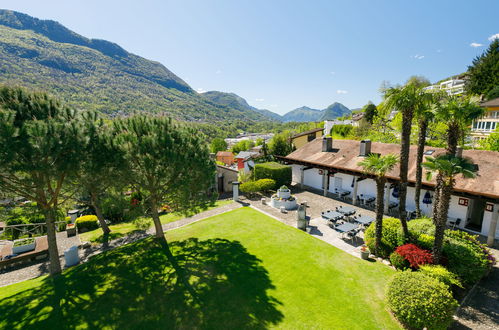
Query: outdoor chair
point(455, 223)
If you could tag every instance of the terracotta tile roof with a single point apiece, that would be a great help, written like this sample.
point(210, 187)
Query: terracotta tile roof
point(315, 130)
point(224, 154)
point(491, 103)
point(345, 156)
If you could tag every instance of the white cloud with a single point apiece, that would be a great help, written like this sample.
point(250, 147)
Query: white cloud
point(494, 36)
point(341, 91)
point(475, 44)
point(418, 57)
point(201, 90)
point(259, 100)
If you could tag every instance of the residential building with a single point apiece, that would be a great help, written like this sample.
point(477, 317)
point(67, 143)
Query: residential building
point(333, 169)
point(245, 161)
point(451, 86)
point(300, 139)
point(250, 137)
point(488, 123)
point(225, 176)
point(225, 157)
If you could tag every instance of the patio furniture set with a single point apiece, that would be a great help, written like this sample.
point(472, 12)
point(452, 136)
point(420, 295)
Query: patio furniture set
point(344, 221)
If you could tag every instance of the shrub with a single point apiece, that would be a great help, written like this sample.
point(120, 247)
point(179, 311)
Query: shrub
point(265, 184)
point(420, 301)
point(442, 274)
point(466, 256)
point(281, 174)
point(389, 239)
point(416, 228)
point(87, 222)
point(249, 187)
point(425, 241)
point(398, 261)
point(142, 223)
point(415, 255)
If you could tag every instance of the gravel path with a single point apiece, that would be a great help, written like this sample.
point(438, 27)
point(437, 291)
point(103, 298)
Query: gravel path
point(19, 274)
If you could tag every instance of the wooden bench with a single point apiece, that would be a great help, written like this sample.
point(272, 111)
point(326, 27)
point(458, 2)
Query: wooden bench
point(41, 251)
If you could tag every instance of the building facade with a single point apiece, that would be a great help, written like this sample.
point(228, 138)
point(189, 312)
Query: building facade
point(299, 140)
point(333, 169)
point(488, 123)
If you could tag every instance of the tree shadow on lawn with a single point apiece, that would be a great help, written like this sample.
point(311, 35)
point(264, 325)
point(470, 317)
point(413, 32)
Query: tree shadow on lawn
point(214, 283)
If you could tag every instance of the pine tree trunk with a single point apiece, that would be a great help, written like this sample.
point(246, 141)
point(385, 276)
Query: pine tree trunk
point(55, 264)
point(453, 133)
point(98, 213)
point(380, 205)
point(155, 217)
point(441, 219)
point(423, 126)
point(405, 143)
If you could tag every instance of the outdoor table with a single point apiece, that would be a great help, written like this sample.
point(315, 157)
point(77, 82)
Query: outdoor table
point(343, 193)
point(346, 227)
point(364, 220)
point(368, 198)
point(347, 210)
point(332, 215)
point(392, 205)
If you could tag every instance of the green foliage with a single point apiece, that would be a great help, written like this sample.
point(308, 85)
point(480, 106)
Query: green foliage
point(342, 130)
point(442, 274)
point(87, 222)
point(242, 145)
point(218, 144)
point(280, 144)
point(466, 256)
point(417, 228)
point(398, 261)
point(243, 176)
point(265, 184)
point(370, 111)
point(142, 223)
point(281, 174)
point(420, 301)
point(491, 142)
point(425, 241)
point(493, 93)
point(390, 236)
point(24, 241)
point(483, 74)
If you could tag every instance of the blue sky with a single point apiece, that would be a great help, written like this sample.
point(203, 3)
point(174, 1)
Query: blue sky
point(280, 55)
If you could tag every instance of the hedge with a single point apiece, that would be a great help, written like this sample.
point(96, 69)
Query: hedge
point(421, 301)
point(442, 274)
point(252, 187)
point(87, 222)
point(389, 239)
point(281, 174)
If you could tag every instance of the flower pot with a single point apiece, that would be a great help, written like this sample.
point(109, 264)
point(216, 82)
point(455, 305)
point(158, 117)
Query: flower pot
point(23, 248)
point(364, 254)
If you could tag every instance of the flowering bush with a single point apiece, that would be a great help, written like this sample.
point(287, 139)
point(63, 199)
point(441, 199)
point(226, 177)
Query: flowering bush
point(415, 255)
point(420, 301)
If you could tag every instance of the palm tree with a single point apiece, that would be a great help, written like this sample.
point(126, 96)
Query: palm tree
point(447, 168)
point(458, 112)
point(378, 166)
point(408, 99)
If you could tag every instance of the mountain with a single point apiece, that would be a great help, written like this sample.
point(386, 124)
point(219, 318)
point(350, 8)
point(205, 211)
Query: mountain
point(333, 111)
point(236, 102)
point(98, 74)
point(306, 114)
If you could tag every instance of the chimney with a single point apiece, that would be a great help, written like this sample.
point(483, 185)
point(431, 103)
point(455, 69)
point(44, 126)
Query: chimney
point(327, 144)
point(365, 148)
point(459, 152)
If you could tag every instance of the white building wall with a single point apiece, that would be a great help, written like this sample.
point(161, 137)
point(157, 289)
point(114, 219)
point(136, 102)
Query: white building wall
point(295, 173)
point(313, 179)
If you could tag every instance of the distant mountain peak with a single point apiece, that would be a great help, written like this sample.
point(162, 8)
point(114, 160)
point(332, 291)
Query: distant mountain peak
point(306, 114)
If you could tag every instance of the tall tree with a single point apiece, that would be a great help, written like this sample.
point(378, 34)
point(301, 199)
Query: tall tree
point(40, 141)
point(280, 144)
point(169, 164)
point(483, 73)
point(378, 166)
point(370, 111)
point(218, 144)
point(406, 99)
point(447, 167)
point(102, 166)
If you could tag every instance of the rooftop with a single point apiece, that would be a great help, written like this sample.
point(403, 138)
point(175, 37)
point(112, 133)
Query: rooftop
point(315, 130)
point(491, 103)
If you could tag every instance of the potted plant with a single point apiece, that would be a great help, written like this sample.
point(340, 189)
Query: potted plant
point(70, 229)
point(364, 252)
point(23, 245)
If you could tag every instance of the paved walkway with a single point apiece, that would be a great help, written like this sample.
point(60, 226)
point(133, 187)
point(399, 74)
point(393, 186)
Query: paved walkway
point(15, 275)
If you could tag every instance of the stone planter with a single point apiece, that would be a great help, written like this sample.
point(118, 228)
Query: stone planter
point(284, 193)
point(365, 254)
point(23, 248)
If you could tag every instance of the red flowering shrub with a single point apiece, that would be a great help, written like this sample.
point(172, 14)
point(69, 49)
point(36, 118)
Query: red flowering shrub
point(415, 255)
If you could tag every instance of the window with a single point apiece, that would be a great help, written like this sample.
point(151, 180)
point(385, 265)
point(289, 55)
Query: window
point(493, 126)
point(487, 125)
point(429, 152)
point(475, 125)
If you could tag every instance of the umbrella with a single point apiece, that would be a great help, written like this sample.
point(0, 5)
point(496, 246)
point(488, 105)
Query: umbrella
point(395, 192)
point(427, 198)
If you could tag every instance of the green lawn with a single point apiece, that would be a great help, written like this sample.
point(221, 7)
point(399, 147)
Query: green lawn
point(126, 228)
point(237, 270)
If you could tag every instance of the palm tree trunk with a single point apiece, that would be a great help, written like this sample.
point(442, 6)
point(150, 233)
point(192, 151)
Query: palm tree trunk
point(98, 212)
point(405, 143)
point(155, 217)
point(453, 133)
point(380, 205)
point(55, 264)
point(441, 219)
point(423, 127)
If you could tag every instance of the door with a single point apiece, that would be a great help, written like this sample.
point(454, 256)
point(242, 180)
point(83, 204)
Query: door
point(221, 184)
point(475, 217)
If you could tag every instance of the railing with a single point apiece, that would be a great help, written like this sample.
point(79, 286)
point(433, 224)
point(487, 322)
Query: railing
point(26, 229)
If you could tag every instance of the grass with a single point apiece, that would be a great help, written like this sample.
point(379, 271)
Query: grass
point(127, 228)
point(240, 269)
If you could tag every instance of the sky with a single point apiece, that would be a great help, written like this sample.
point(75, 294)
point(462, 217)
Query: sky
point(280, 55)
